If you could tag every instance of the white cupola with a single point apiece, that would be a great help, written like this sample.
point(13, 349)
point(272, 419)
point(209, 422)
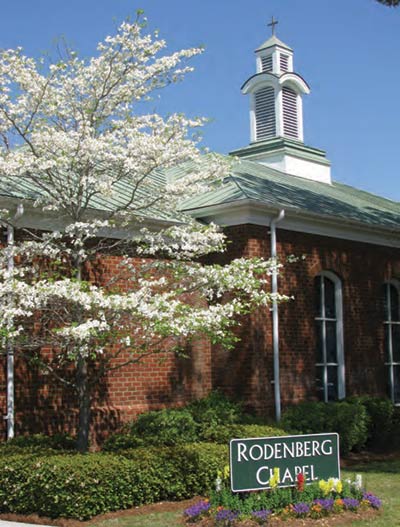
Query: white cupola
point(276, 114)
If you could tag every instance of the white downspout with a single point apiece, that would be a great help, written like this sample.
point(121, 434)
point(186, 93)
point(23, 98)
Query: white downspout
point(275, 318)
point(10, 417)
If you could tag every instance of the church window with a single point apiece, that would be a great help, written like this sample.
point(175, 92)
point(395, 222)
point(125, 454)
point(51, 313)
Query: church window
point(284, 62)
point(265, 113)
point(329, 332)
point(392, 338)
point(266, 63)
point(290, 113)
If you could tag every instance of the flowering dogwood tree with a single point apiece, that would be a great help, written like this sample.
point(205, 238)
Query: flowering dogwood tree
point(73, 133)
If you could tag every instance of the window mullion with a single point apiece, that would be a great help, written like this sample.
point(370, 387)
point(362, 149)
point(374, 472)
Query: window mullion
point(324, 358)
point(390, 342)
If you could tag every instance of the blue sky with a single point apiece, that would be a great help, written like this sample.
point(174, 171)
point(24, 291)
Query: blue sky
point(347, 50)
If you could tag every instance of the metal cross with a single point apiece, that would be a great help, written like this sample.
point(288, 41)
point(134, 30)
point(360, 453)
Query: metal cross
point(272, 25)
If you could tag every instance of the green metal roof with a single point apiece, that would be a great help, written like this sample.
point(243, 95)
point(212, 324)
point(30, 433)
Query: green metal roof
point(25, 189)
point(250, 180)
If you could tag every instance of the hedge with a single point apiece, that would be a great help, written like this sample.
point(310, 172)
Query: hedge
point(349, 419)
point(216, 434)
point(82, 486)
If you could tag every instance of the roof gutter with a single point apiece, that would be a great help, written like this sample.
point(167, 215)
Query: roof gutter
point(275, 317)
point(10, 417)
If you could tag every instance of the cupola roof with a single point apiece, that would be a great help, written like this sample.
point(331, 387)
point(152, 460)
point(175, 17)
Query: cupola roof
point(273, 41)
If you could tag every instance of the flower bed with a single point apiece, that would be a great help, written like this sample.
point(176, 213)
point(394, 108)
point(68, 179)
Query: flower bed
point(318, 500)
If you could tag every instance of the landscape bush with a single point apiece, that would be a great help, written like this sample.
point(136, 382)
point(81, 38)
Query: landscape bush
point(223, 434)
point(82, 486)
point(198, 421)
point(348, 419)
point(380, 413)
point(215, 409)
point(56, 441)
point(165, 427)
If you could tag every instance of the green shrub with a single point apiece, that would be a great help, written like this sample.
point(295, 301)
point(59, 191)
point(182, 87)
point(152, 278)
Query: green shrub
point(395, 439)
point(223, 434)
point(122, 441)
point(215, 410)
point(202, 420)
point(82, 486)
point(56, 441)
point(380, 413)
point(165, 427)
point(349, 420)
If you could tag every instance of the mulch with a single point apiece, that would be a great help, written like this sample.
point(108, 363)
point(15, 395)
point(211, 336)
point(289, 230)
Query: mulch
point(338, 520)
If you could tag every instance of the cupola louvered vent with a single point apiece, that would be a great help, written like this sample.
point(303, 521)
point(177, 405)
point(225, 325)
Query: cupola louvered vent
point(284, 62)
point(266, 63)
point(265, 113)
point(290, 117)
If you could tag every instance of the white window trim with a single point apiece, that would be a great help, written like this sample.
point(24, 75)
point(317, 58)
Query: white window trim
point(391, 363)
point(339, 336)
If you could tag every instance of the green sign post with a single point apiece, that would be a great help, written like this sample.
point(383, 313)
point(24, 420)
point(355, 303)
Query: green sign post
point(253, 461)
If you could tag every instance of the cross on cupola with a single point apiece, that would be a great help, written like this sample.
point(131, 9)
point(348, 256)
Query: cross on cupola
point(276, 114)
point(276, 92)
point(272, 25)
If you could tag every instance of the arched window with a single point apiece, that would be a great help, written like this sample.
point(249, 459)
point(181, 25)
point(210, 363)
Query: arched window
point(329, 331)
point(392, 337)
point(290, 113)
point(265, 113)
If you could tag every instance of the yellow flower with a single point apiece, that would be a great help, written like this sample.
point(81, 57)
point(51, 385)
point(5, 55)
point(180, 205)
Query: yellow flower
point(226, 472)
point(275, 479)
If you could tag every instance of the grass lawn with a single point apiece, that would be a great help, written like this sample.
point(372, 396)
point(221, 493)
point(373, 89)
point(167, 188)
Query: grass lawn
point(382, 478)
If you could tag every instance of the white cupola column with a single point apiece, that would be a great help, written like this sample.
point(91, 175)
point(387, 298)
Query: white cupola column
point(276, 115)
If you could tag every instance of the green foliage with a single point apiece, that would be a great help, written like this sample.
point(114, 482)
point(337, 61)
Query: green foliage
point(212, 418)
point(82, 486)
point(349, 420)
point(380, 412)
point(56, 441)
point(122, 441)
point(223, 434)
point(214, 410)
point(165, 427)
point(390, 3)
point(275, 500)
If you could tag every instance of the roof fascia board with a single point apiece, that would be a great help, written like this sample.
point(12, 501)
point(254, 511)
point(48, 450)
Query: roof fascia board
point(34, 219)
point(247, 211)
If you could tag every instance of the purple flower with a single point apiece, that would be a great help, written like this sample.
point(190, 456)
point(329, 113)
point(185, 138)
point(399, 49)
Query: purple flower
point(226, 515)
point(261, 515)
point(373, 500)
point(301, 508)
point(197, 510)
point(326, 504)
point(351, 503)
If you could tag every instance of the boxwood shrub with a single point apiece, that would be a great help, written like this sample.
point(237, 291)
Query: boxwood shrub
point(82, 486)
point(214, 418)
point(349, 420)
point(223, 434)
point(380, 412)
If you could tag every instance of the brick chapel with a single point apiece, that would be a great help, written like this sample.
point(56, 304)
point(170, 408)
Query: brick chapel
point(338, 337)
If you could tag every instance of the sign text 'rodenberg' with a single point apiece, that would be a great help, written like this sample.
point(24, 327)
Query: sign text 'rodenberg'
point(253, 461)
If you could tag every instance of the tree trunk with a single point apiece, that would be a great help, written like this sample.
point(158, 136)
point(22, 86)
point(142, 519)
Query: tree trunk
point(84, 405)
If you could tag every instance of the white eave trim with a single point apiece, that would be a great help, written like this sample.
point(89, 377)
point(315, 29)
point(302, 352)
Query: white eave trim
point(35, 219)
point(247, 211)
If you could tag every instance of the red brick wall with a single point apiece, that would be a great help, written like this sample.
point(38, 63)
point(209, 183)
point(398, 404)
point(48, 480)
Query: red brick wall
point(247, 371)
point(43, 405)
